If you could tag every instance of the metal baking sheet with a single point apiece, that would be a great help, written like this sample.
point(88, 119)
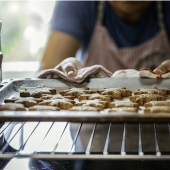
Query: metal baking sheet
point(11, 87)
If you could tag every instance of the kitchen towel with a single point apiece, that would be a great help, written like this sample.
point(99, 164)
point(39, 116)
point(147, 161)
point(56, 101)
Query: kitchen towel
point(126, 73)
point(144, 72)
point(95, 71)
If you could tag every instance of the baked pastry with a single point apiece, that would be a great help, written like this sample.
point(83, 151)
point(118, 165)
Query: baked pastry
point(94, 96)
point(123, 109)
point(123, 104)
point(76, 92)
point(12, 107)
point(55, 96)
point(144, 98)
point(43, 108)
point(94, 103)
point(26, 101)
point(84, 108)
point(36, 92)
point(157, 103)
point(62, 103)
point(157, 109)
point(150, 91)
point(116, 93)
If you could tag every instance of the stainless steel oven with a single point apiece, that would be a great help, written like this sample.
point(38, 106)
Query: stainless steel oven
point(99, 141)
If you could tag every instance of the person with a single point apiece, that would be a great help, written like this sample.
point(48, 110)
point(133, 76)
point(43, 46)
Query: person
point(115, 34)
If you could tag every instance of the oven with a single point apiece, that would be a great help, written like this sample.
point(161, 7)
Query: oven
point(96, 140)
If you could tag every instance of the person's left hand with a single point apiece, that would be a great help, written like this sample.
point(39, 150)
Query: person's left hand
point(69, 66)
point(163, 68)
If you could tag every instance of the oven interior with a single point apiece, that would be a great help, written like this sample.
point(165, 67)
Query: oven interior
point(97, 142)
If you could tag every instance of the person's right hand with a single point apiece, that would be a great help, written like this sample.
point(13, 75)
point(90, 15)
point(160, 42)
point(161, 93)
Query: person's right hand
point(163, 68)
point(69, 66)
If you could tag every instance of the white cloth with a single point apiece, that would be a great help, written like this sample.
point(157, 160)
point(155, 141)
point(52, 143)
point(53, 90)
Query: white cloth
point(126, 73)
point(96, 71)
point(144, 72)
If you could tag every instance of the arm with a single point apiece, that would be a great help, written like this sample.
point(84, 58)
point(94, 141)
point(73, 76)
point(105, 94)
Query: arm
point(59, 47)
point(67, 34)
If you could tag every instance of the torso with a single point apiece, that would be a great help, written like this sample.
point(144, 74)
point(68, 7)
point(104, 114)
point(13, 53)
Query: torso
point(103, 48)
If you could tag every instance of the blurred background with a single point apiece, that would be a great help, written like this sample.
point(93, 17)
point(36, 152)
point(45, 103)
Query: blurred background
point(25, 29)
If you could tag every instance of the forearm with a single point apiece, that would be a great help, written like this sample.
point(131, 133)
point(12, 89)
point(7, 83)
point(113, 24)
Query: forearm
point(59, 47)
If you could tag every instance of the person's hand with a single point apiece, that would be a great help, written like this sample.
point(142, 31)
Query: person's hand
point(69, 66)
point(163, 68)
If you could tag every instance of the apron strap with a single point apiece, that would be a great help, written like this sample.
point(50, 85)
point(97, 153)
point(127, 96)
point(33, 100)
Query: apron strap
point(160, 15)
point(100, 11)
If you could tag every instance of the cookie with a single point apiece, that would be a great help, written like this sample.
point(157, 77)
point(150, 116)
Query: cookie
point(52, 90)
point(36, 92)
point(144, 98)
point(38, 100)
point(157, 109)
point(125, 92)
point(157, 103)
point(94, 103)
point(124, 110)
point(116, 93)
point(43, 108)
point(94, 96)
point(9, 100)
point(56, 96)
point(62, 103)
point(76, 92)
point(12, 107)
point(123, 104)
point(150, 91)
point(25, 94)
point(84, 108)
point(59, 96)
point(26, 101)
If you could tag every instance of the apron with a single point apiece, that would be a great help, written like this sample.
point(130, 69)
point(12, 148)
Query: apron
point(104, 51)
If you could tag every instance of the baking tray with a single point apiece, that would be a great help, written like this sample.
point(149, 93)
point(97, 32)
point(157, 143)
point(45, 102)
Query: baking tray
point(11, 87)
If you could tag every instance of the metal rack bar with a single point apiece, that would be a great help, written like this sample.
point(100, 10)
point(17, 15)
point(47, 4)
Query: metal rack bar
point(169, 127)
point(83, 156)
point(24, 143)
point(123, 147)
point(105, 151)
point(75, 138)
point(30, 135)
point(47, 133)
point(4, 127)
point(140, 140)
point(7, 144)
point(158, 153)
point(40, 154)
point(59, 139)
point(87, 152)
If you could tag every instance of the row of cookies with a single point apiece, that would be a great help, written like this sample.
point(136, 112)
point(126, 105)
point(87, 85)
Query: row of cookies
point(28, 97)
point(37, 98)
point(157, 107)
point(43, 98)
point(136, 99)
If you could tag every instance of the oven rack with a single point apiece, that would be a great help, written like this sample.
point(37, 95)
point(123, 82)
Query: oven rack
point(101, 141)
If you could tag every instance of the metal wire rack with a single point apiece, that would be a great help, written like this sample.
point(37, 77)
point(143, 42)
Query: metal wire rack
point(89, 140)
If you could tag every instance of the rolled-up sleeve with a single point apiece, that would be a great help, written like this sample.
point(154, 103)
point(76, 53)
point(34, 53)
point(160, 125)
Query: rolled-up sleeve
point(68, 17)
